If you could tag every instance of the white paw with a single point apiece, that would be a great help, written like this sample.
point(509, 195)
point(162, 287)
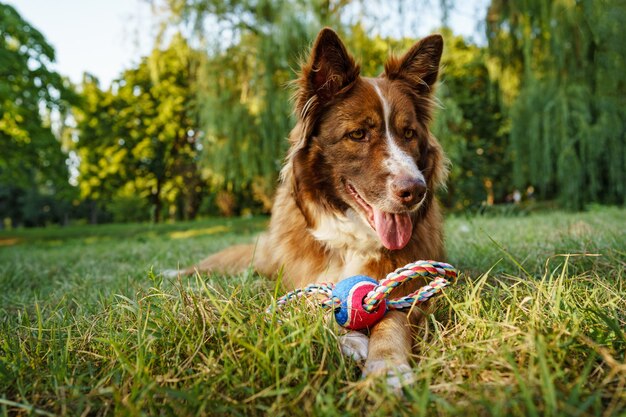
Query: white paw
point(170, 273)
point(398, 376)
point(355, 345)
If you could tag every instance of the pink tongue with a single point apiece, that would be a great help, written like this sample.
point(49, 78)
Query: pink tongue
point(394, 230)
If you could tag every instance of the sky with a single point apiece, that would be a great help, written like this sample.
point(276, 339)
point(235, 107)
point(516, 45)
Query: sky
point(105, 37)
point(102, 37)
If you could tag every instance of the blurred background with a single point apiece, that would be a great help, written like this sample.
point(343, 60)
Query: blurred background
point(165, 110)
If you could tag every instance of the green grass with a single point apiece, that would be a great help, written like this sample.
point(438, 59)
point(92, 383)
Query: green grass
point(534, 327)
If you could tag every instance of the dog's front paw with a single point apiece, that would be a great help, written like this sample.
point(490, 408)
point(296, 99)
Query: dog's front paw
point(355, 345)
point(398, 375)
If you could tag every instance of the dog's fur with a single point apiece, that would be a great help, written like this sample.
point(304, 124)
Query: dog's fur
point(356, 194)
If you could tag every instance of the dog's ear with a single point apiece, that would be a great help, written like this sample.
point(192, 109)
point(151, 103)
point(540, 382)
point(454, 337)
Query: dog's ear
point(419, 66)
point(328, 72)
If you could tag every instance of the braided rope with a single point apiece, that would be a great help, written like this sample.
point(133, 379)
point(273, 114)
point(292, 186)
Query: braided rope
point(426, 269)
point(324, 288)
point(419, 296)
point(441, 272)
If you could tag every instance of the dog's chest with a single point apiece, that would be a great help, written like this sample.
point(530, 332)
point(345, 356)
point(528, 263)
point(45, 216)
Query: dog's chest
point(347, 265)
point(351, 245)
point(345, 232)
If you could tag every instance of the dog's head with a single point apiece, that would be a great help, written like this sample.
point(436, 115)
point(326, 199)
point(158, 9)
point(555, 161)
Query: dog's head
point(363, 143)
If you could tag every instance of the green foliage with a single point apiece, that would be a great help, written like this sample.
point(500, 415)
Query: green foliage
point(204, 128)
point(245, 103)
point(139, 138)
point(471, 129)
point(568, 125)
point(253, 49)
point(32, 161)
point(87, 328)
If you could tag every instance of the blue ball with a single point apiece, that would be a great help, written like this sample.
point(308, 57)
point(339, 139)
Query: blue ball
point(351, 292)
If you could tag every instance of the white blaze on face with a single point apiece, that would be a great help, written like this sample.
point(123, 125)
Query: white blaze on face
point(399, 162)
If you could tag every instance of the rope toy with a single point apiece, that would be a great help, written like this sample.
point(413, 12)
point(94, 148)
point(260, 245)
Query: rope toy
point(359, 302)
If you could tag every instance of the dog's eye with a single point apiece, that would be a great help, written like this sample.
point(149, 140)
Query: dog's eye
point(409, 134)
point(357, 134)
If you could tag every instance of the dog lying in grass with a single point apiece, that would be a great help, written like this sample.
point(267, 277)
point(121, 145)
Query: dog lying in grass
point(357, 191)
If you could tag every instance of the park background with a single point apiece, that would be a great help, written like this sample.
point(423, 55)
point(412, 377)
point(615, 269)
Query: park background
point(183, 115)
point(532, 106)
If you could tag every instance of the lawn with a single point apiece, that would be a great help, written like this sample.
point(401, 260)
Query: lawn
point(533, 327)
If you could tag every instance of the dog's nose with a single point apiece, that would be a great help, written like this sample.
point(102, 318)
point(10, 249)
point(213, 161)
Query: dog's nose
point(408, 190)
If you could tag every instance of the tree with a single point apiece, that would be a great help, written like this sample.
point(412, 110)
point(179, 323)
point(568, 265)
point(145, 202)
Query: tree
point(253, 47)
point(471, 127)
point(33, 169)
point(138, 141)
point(100, 146)
point(567, 98)
point(245, 105)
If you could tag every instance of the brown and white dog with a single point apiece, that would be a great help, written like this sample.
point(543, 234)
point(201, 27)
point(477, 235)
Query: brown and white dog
point(357, 191)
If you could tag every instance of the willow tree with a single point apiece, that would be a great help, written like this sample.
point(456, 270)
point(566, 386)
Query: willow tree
point(563, 64)
point(253, 48)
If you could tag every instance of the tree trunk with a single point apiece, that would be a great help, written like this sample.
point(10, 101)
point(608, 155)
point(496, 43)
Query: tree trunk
point(93, 212)
point(157, 202)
